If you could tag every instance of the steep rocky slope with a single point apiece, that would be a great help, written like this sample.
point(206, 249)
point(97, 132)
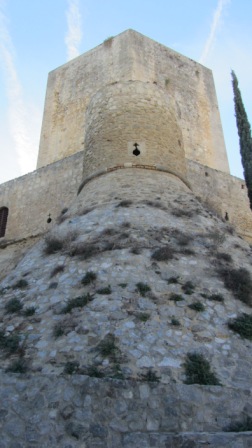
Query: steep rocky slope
point(135, 290)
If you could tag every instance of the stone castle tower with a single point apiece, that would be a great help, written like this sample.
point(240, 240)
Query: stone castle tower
point(125, 279)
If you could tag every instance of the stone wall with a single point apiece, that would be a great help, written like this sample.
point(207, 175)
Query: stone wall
point(125, 113)
point(132, 56)
point(31, 198)
point(78, 411)
point(223, 194)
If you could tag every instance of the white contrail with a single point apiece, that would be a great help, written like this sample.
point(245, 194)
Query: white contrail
point(214, 27)
point(24, 145)
point(74, 33)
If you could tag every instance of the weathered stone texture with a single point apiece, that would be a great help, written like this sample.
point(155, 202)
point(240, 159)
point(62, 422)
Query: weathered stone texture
point(223, 194)
point(77, 412)
point(132, 57)
point(31, 198)
point(125, 113)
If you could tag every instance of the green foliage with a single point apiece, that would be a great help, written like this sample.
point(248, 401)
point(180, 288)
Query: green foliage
point(107, 347)
point(244, 132)
point(164, 253)
point(242, 325)
point(123, 285)
point(143, 288)
point(143, 316)
point(216, 298)
point(197, 306)
point(172, 280)
point(29, 311)
point(22, 283)
point(93, 371)
point(150, 376)
point(58, 330)
point(77, 302)
point(18, 366)
point(245, 424)
point(239, 282)
point(9, 343)
point(188, 288)
point(71, 367)
point(13, 306)
point(175, 322)
point(105, 290)
point(224, 257)
point(53, 244)
point(88, 278)
point(198, 370)
point(176, 297)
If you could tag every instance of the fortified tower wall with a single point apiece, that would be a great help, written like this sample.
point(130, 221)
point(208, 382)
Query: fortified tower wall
point(132, 57)
point(132, 124)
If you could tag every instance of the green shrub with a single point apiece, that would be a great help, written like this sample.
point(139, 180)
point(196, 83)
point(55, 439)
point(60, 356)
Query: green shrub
point(188, 288)
point(136, 250)
point(172, 280)
point(88, 278)
point(93, 371)
point(198, 370)
point(239, 282)
point(71, 367)
point(245, 424)
point(22, 283)
point(150, 376)
point(143, 317)
point(175, 322)
point(78, 302)
point(176, 297)
point(13, 306)
point(53, 244)
point(29, 311)
point(107, 347)
point(224, 257)
point(216, 297)
point(18, 366)
point(105, 290)
point(143, 288)
point(242, 325)
point(123, 285)
point(164, 253)
point(58, 330)
point(197, 306)
point(9, 343)
point(84, 250)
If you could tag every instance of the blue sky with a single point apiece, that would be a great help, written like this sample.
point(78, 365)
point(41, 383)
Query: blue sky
point(37, 36)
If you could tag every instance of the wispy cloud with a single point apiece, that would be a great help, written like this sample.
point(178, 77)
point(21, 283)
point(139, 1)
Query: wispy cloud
point(74, 32)
point(213, 30)
point(25, 146)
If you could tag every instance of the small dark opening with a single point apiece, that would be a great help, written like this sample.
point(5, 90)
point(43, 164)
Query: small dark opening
point(242, 186)
point(136, 151)
point(49, 219)
point(3, 220)
point(226, 216)
point(206, 174)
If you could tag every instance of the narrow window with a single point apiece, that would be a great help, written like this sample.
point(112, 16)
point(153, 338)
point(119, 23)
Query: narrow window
point(3, 220)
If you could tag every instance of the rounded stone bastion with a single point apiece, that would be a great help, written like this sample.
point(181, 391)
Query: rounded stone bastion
point(132, 125)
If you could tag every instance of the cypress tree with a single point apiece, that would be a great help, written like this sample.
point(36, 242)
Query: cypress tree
point(244, 132)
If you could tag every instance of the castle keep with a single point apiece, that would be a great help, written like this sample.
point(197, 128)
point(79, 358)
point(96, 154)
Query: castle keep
point(125, 268)
point(128, 90)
